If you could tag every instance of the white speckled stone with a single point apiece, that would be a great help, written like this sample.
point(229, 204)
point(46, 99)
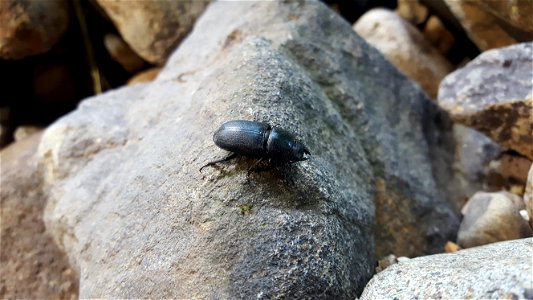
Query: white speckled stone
point(498, 271)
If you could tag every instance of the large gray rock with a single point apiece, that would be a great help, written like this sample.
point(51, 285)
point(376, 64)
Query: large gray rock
point(497, 271)
point(494, 94)
point(127, 202)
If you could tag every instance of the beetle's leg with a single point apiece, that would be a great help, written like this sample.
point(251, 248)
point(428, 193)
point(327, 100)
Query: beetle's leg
point(229, 157)
point(252, 167)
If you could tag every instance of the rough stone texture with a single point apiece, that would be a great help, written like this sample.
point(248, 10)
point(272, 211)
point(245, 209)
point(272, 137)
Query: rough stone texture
point(31, 265)
point(474, 151)
point(494, 94)
point(130, 207)
point(497, 271)
point(528, 196)
point(490, 218)
point(30, 27)
point(481, 26)
point(153, 28)
point(405, 47)
point(122, 53)
point(516, 12)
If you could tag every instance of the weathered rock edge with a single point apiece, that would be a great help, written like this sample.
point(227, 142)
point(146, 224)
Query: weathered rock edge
point(128, 204)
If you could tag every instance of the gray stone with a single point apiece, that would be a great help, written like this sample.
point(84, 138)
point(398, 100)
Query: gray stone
point(31, 27)
point(31, 265)
point(405, 47)
point(492, 217)
point(497, 271)
point(128, 204)
point(153, 28)
point(493, 94)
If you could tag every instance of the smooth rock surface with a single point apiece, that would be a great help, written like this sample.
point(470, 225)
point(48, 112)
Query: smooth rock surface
point(481, 26)
point(31, 265)
point(31, 27)
point(494, 94)
point(405, 47)
point(153, 28)
point(128, 204)
point(497, 271)
point(490, 218)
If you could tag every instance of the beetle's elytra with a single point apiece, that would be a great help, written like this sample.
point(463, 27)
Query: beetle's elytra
point(257, 139)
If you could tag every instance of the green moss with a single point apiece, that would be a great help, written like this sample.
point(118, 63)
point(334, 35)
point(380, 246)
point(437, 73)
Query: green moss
point(245, 209)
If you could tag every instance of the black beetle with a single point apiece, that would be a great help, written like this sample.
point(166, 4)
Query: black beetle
point(257, 139)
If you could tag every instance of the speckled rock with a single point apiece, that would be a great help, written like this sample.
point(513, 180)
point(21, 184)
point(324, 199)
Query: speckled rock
point(492, 217)
point(481, 26)
point(31, 27)
point(528, 196)
point(493, 94)
point(129, 205)
point(497, 271)
point(405, 47)
point(516, 12)
point(153, 29)
point(31, 265)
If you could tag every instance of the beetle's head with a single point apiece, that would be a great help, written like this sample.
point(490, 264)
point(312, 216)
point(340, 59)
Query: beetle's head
point(299, 152)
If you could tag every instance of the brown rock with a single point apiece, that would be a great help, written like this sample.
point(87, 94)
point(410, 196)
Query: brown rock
point(30, 27)
point(412, 11)
point(528, 196)
point(122, 53)
point(492, 217)
point(144, 76)
point(516, 12)
point(508, 171)
point(493, 94)
point(153, 28)
point(438, 35)
point(481, 26)
point(31, 265)
point(405, 47)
